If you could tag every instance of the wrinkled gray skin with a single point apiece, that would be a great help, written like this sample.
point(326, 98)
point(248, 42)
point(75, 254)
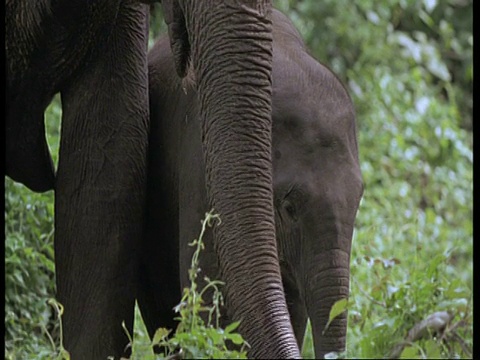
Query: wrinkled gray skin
point(317, 189)
point(94, 54)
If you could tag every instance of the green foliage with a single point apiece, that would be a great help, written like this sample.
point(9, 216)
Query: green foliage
point(430, 38)
point(157, 24)
point(61, 353)
point(29, 263)
point(194, 338)
point(400, 297)
point(29, 271)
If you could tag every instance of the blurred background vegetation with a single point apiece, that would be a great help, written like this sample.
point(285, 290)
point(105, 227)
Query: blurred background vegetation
point(409, 68)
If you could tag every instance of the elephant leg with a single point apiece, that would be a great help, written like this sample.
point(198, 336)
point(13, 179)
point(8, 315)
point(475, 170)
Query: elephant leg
point(159, 284)
point(100, 192)
point(159, 269)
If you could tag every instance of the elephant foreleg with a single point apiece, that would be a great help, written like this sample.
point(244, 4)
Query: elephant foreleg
point(100, 192)
point(159, 282)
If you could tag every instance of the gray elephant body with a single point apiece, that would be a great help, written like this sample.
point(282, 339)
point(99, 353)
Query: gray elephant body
point(317, 188)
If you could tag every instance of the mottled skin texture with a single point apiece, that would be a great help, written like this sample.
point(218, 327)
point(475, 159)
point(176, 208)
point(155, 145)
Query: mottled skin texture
point(317, 189)
point(94, 54)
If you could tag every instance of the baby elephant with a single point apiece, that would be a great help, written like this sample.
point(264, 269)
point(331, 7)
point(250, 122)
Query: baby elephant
point(316, 178)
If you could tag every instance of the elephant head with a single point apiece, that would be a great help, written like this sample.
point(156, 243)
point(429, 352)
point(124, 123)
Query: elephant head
point(317, 185)
point(227, 46)
point(94, 55)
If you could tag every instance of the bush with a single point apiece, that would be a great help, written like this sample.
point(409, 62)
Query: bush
point(29, 263)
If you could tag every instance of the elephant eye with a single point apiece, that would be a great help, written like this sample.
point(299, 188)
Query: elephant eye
point(290, 209)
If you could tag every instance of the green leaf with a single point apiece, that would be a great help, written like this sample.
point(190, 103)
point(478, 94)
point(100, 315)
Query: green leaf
point(339, 307)
point(215, 335)
point(231, 327)
point(235, 338)
point(183, 336)
point(409, 352)
point(433, 350)
point(160, 334)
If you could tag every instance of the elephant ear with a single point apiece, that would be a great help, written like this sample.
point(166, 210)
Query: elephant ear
point(177, 30)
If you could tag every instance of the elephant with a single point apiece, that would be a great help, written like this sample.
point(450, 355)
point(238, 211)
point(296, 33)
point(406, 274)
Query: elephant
point(317, 184)
point(84, 51)
point(94, 55)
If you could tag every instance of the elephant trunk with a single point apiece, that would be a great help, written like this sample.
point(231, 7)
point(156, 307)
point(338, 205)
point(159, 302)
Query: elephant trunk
point(231, 58)
point(328, 283)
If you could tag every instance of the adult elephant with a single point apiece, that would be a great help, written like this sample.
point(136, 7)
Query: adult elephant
point(94, 54)
point(317, 189)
